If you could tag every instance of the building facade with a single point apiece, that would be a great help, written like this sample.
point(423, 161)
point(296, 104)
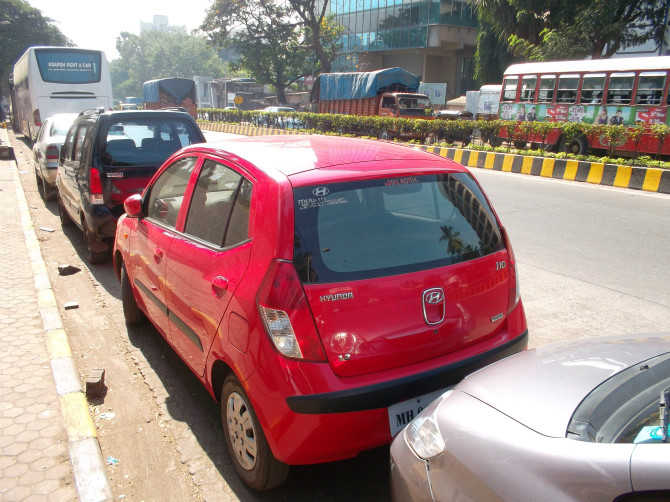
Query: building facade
point(435, 39)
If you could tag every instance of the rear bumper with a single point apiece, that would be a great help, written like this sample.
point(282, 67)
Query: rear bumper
point(385, 394)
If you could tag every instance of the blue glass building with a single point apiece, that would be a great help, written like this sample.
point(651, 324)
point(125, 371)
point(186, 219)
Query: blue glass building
point(435, 39)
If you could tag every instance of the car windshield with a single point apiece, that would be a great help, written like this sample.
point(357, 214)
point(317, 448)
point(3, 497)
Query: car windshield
point(374, 228)
point(60, 127)
point(146, 141)
point(624, 408)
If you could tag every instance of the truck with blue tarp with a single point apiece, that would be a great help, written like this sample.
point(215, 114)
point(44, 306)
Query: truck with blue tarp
point(171, 92)
point(390, 92)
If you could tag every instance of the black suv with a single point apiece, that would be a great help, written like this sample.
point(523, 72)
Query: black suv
point(108, 156)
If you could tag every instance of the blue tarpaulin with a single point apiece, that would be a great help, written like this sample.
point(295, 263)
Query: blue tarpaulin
point(178, 88)
point(359, 85)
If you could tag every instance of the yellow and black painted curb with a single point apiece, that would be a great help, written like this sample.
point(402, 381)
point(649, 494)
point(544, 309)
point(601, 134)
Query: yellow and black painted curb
point(637, 178)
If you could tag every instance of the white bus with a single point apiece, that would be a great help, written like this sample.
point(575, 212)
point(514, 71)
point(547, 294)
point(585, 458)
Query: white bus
point(50, 80)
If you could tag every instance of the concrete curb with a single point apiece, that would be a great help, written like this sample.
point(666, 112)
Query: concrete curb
point(636, 178)
point(85, 455)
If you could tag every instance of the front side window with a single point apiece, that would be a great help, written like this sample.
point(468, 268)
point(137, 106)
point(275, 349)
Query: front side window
point(567, 89)
point(547, 84)
point(592, 88)
point(221, 199)
point(509, 88)
point(620, 89)
point(375, 228)
point(650, 88)
point(167, 193)
point(528, 88)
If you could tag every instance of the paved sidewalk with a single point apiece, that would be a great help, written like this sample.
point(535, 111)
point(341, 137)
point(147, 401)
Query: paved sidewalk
point(48, 444)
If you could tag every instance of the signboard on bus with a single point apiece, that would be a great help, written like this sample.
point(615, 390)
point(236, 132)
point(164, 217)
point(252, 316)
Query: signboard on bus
point(68, 67)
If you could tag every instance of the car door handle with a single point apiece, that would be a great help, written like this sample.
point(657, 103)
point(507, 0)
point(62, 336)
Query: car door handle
point(219, 286)
point(158, 255)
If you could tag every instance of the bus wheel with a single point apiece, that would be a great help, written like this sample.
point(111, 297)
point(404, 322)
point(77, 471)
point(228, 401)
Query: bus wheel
point(520, 144)
point(495, 141)
point(576, 146)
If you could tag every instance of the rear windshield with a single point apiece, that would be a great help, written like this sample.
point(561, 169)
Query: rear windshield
point(69, 66)
point(375, 228)
point(139, 142)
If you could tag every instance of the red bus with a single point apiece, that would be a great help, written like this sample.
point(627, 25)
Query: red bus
point(624, 91)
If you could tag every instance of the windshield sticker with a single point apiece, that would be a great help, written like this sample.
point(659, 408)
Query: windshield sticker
point(312, 202)
point(401, 181)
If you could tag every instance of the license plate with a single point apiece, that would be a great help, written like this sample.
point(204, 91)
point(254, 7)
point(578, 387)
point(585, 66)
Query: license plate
point(401, 414)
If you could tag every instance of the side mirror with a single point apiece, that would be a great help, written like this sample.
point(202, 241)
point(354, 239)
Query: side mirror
point(133, 206)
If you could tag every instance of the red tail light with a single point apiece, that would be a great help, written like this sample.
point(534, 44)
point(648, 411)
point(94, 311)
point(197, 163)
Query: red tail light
point(95, 186)
point(286, 315)
point(514, 293)
point(52, 152)
point(36, 117)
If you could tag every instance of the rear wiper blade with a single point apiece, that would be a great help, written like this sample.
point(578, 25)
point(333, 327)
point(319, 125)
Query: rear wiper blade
point(664, 413)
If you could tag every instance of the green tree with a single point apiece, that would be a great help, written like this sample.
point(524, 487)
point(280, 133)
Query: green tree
point(574, 29)
point(156, 54)
point(23, 26)
point(266, 35)
point(322, 31)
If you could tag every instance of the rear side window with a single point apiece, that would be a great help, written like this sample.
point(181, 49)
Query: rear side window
point(219, 210)
point(145, 141)
point(375, 228)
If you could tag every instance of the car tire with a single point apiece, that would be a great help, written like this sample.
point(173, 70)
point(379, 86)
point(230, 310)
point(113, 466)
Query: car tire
point(131, 311)
point(93, 257)
point(65, 220)
point(246, 442)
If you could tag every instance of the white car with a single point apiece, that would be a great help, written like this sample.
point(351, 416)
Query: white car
point(46, 150)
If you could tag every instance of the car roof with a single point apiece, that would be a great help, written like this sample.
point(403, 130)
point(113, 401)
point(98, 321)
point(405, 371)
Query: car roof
point(294, 154)
point(542, 387)
point(117, 114)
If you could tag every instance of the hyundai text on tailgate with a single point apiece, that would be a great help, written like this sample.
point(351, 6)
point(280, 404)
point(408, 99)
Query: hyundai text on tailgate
point(323, 289)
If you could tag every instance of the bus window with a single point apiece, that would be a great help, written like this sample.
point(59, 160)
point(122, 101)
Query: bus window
point(509, 89)
point(547, 84)
point(528, 88)
point(650, 88)
point(620, 89)
point(592, 88)
point(567, 88)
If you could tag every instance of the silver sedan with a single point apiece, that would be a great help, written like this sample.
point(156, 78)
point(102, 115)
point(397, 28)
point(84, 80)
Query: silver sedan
point(46, 150)
point(584, 420)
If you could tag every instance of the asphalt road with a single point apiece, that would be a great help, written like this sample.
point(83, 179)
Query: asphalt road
point(592, 262)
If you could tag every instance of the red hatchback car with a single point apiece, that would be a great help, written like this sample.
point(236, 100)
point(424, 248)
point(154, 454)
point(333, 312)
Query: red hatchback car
point(323, 289)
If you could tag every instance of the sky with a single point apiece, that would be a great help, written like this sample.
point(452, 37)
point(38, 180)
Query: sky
point(92, 24)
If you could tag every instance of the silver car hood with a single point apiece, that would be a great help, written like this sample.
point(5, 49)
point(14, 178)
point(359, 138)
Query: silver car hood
point(542, 387)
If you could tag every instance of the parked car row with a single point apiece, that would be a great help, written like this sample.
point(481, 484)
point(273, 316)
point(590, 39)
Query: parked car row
point(333, 295)
point(91, 161)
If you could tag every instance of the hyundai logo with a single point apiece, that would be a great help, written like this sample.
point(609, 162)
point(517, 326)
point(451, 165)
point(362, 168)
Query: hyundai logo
point(432, 297)
point(434, 309)
point(320, 192)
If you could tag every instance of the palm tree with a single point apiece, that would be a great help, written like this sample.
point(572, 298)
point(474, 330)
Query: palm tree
point(454, 242)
